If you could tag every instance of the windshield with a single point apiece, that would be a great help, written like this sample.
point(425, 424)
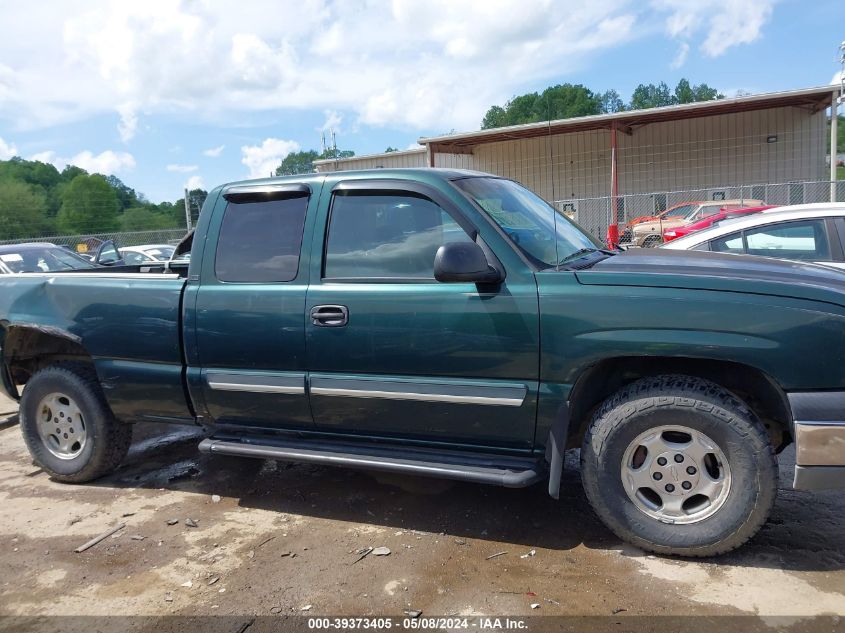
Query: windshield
point(529, 221)
point(683, 211)
point(46, 259)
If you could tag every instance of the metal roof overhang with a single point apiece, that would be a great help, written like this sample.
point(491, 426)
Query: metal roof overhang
point(813, 99)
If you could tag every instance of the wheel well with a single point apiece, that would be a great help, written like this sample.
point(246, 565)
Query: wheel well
point(751, 385)
point(26, 349)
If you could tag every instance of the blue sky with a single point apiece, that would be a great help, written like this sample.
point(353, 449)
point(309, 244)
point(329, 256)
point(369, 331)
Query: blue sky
point(169, 91)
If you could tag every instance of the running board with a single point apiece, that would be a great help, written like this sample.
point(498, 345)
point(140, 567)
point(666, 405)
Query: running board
point(471, 467)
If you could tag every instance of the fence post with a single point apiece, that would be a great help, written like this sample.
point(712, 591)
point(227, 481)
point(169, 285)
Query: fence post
point(187, 210)
point(833, 149)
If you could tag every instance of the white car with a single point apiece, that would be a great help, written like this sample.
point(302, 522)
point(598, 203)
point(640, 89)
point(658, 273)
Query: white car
point(804, 232)
point(146, 253)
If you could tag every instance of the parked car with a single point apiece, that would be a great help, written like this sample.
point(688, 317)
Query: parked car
point(447, 323)
point(147, 253)
point(806, 233)
point(650, 234)
point(681, 209)
point(723, 214)
point(40, 257)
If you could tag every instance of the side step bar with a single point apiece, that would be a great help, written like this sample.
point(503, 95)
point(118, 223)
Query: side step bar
point(471, 467)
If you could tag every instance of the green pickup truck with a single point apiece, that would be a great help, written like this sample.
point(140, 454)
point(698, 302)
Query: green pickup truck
point(449, 324)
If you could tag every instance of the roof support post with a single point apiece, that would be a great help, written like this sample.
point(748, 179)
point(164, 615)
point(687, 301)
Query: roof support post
point(833, 149)
point(613, 227)
point(429, 154)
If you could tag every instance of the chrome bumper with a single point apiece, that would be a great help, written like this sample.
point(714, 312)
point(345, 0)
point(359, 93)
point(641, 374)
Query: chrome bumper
point(819, 439)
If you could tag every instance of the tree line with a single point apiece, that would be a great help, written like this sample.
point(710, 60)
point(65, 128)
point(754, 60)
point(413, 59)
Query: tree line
point(36, 200)
point(565, 101)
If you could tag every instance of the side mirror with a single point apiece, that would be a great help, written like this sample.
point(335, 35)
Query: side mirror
point(108, 255)
point(464, 261)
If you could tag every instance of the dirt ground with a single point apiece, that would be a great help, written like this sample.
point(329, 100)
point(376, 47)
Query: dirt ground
point(274, 538)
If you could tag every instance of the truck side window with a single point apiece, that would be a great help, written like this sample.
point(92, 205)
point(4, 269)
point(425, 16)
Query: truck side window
point(386, 235)
point(261, 241)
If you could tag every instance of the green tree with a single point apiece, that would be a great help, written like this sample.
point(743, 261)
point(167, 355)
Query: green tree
point(651, 96)
point(147, 219)
point(126, 196)
point(611, 102)
point(89, 205)
point(555, 102)
point(22, 211)
point(391, 149)
point(298, 163)
point(302, 162)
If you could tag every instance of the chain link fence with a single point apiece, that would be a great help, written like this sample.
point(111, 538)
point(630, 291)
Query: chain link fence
point(88, 241)
point(596, 214)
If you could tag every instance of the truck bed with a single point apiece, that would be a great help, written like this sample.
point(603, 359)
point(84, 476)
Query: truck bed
point(127, 318)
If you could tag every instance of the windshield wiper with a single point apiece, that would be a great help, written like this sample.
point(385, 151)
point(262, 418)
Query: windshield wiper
point(579, 253)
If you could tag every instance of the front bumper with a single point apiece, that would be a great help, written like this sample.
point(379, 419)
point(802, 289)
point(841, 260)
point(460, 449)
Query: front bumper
point(819, 439)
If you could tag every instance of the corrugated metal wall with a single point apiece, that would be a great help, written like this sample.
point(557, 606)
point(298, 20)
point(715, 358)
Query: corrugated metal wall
point(679, 155)
point(410, 158)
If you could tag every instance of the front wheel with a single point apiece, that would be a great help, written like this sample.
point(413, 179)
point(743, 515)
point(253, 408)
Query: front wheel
point(678, 465)
point(68, 427)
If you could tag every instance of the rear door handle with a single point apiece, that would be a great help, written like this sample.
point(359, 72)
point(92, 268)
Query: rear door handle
point(330, 316)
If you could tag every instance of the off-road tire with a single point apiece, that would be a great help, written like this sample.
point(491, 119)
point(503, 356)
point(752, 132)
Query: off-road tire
point(108, 439)
point(652, 241)
point(707, 408)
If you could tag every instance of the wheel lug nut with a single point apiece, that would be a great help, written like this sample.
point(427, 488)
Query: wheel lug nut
point(679, 458)
point(657, 476)
point(661, 461)
point(691, 470)
point(670, 488)
point(686, 485)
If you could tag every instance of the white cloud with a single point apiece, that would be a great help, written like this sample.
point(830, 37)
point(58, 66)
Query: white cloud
point(128, 122)
point(184, 169)
point(263, 159)
point(107, 163)
point(436, 64)
point(332, 122)
point(7, 150)
point(195, 182)
point(214, 152)
point(721, 24)
point(681, 57)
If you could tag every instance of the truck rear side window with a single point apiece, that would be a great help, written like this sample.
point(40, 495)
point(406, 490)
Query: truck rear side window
point(260, 241)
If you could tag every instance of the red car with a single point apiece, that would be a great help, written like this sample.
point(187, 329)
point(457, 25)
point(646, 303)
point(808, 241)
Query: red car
point(723, 214)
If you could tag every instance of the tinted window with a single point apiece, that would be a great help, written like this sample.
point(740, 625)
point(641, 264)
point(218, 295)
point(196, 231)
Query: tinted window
point(260, 241)
point(794, 240)
point(728, 244)
point(393, 235)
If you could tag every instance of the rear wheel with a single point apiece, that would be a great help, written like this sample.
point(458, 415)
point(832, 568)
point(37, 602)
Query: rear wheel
point(68, 427)
point(678, 465)
point(652, 241)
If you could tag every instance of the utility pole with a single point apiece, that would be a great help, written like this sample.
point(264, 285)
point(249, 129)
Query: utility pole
point(187, 210)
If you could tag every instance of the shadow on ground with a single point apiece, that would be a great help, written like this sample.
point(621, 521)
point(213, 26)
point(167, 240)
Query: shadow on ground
point(805, 532)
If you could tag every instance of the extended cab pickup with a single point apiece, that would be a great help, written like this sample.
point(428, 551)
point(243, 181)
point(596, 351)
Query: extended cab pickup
point(450, 324)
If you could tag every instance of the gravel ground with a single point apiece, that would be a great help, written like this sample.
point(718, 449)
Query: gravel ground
point(278, 539)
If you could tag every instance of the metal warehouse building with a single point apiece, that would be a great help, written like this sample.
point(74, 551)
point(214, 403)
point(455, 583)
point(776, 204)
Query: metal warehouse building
point(771, 147)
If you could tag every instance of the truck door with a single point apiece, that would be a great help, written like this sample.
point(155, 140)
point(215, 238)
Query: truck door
point(249, 329)
point(392, 352)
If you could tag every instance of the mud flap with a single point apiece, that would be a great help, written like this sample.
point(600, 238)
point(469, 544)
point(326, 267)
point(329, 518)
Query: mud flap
point(555, 449)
